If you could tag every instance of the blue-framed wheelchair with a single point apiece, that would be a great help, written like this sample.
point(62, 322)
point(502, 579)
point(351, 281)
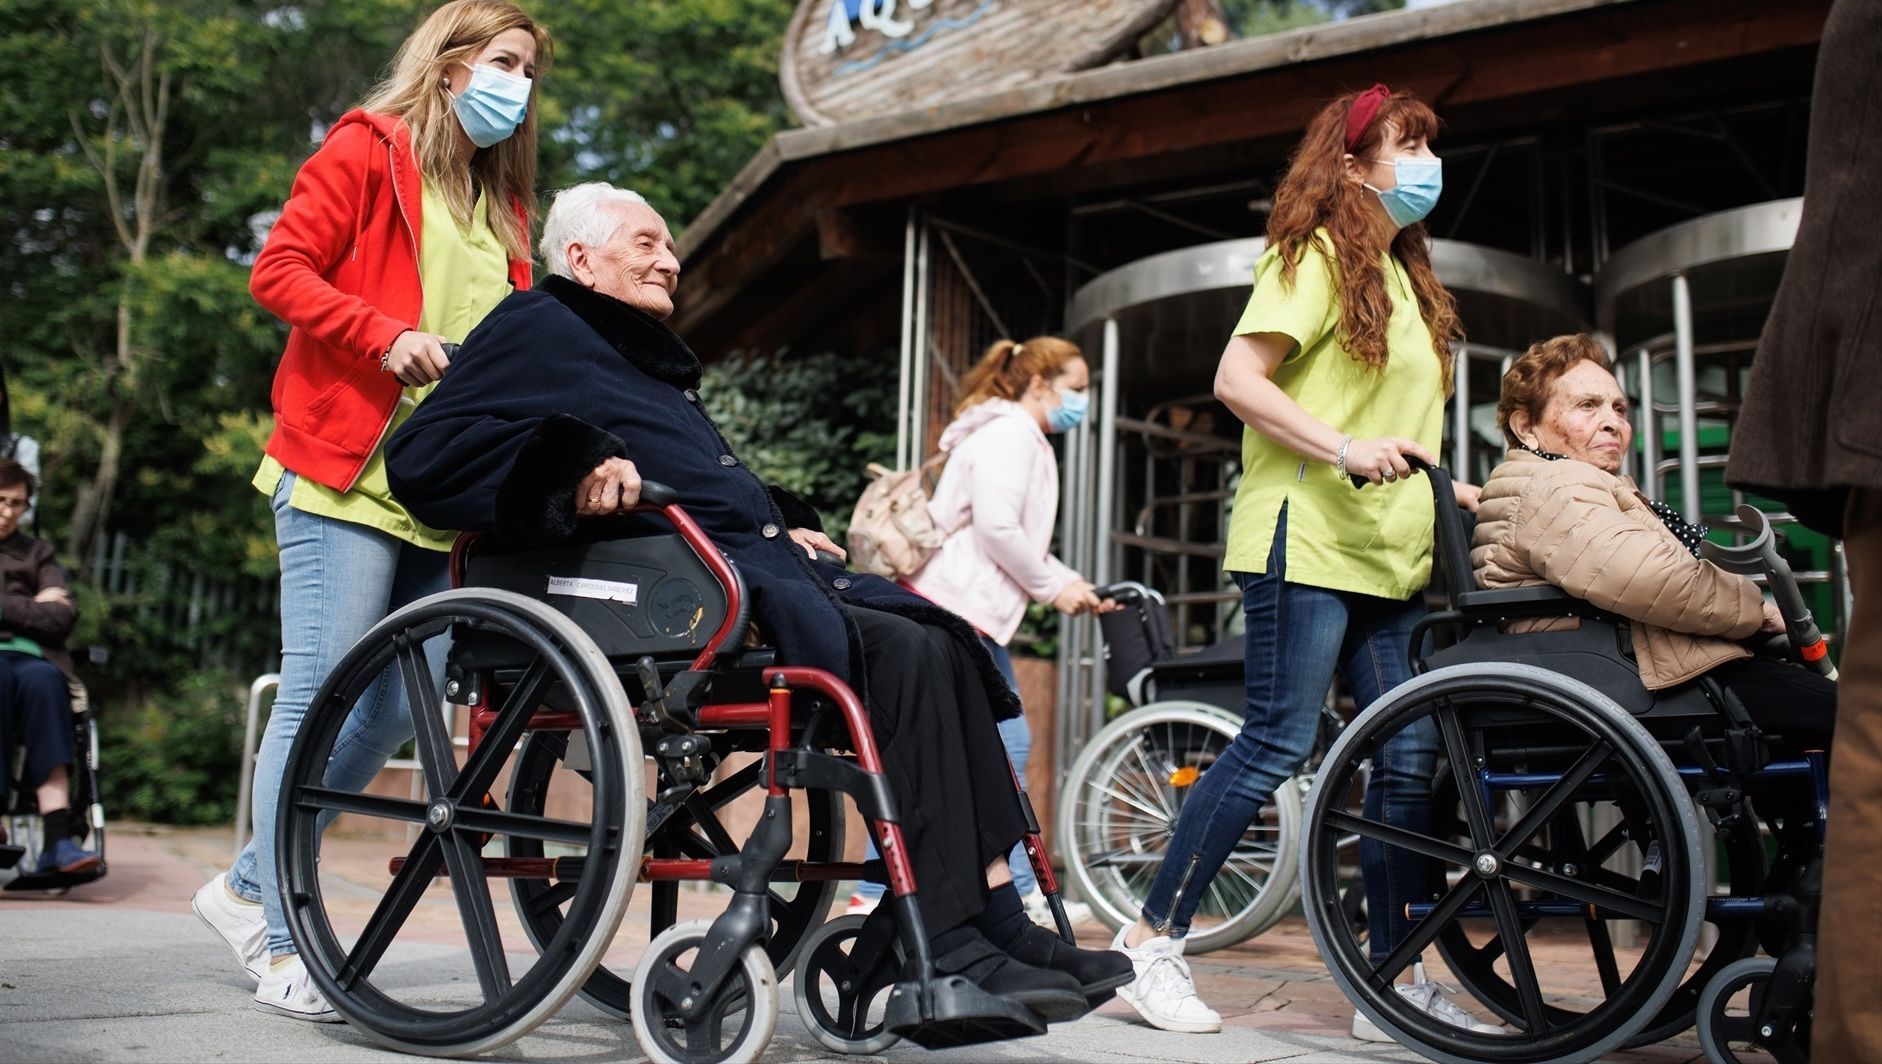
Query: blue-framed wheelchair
point(1580, 823)
point(617, 711)
point(22, 830)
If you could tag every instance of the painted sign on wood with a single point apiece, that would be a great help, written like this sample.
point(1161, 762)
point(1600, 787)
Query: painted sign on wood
point(850, 59)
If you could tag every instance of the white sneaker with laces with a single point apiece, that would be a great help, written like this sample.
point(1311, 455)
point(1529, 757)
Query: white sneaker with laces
point(1428, 997)
point(1040, 912)
point(1163, 993)
point(287, 991)
point(238, 921)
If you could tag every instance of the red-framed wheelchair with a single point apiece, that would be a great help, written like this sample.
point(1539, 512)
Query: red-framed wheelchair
point(607, 684)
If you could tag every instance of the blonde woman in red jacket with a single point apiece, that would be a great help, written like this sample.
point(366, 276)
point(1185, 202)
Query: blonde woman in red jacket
point(406, 227)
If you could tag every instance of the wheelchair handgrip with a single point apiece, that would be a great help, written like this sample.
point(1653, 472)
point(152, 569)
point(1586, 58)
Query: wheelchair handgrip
point(654, 493)
point(1418, 465)
point(450, 349)
point(1128, 592)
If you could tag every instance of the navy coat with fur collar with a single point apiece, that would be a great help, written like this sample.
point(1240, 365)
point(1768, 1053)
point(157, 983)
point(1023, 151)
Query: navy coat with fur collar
point(559, 378)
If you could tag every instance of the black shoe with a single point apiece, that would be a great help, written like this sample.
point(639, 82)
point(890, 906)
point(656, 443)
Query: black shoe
point(1100, 972)
point(964, 951)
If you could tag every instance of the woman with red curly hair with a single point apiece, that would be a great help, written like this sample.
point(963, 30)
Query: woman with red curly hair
point(1339, 367)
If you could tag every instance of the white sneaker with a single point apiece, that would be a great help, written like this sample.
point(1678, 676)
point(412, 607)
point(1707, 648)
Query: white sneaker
point(286, 990)
point(1040, 912)
point(1163, 992)
point(237, 920)
point(861, 904)
point(1427, 996)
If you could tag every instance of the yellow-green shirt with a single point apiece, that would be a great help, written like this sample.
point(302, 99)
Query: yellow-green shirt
point(463, 273)
point(1376, 541)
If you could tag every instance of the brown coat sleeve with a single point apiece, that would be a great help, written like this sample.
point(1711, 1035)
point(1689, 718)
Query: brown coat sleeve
point(1577, 538)
point(45, 622)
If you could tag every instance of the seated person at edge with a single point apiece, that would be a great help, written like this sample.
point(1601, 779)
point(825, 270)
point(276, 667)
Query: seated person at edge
point(36, 614)
point(1557, 511)
point(567, 395)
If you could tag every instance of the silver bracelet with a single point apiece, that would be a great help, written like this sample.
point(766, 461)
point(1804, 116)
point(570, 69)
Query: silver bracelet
point(1340, 462)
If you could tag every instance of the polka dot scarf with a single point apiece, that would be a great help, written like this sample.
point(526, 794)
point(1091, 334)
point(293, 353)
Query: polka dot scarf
point(1689, 534)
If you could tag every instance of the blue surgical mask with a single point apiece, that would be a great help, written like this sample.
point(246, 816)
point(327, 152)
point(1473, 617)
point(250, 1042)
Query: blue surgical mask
point(1069, 412)
point(493, 105)
point(1419, 183)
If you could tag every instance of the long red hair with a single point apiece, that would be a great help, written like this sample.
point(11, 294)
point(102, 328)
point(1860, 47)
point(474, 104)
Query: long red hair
point(1316, 193)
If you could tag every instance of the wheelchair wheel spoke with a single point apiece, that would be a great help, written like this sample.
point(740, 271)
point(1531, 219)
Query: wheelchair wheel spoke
point(1558, 794)
point(1147, 812)
point(715, 832)
point(731, 787)
point(1386, 972)
point(327, 799)
point(522, 826)
point(1476, 815)
point(481, 769)
point(1151, 775)
point(1600, 897)
point(1603, 947)
point(1437, 849)
point(389, 915)
point(554, 897)
point(1516, 950)
point(471, 887)
point(430, 735)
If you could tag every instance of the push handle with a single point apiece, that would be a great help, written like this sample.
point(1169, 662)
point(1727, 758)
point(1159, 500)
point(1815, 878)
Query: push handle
point(1417, 464)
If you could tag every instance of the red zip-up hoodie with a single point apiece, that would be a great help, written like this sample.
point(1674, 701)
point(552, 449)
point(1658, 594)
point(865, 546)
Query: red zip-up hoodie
point(341, 267)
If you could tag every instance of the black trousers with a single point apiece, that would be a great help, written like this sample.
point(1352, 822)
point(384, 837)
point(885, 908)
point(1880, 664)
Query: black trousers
point(941, 751)
point(35, 712)
point(1797, 706)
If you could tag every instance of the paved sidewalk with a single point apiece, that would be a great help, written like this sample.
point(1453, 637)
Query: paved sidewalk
point(121, 970)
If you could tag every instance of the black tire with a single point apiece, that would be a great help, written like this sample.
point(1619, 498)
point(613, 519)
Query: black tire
point(842, 996)
point(1477, 710)
point(406, 1007)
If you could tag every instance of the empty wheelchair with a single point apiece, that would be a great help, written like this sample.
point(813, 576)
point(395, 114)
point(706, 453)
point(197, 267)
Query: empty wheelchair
point(1578, 821)
point(610, 685)
point(22, 835)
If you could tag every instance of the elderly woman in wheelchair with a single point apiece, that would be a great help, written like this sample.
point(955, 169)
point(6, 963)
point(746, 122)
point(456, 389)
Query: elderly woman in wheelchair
point(1612, 748)
point(537, 440)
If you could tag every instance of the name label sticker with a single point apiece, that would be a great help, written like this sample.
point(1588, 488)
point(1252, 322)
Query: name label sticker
point(606, 590)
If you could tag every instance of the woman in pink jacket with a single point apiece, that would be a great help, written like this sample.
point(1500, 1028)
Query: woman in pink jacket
point(997, 502)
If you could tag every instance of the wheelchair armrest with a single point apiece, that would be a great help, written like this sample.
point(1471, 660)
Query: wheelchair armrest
point(1539, 601)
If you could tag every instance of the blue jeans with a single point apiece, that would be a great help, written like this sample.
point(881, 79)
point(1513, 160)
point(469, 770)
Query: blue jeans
point(338, 579)
point(1016, 736)
point(1297, 637)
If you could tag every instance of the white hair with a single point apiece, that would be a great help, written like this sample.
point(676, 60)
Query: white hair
point(579, 215)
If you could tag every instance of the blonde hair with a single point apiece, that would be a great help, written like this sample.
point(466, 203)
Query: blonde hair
point(506, 171)
point(1007, 369)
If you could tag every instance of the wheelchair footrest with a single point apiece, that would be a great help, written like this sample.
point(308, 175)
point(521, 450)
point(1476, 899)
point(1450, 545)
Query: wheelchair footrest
point(956, 1012)
point(10, 855)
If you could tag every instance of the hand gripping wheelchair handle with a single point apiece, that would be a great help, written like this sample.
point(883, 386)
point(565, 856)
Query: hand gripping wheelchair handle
point(1418, 465)
point(1759, 554)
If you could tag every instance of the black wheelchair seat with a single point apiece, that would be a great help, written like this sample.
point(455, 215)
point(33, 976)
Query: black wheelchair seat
point(1598, 651)
point(644, 596)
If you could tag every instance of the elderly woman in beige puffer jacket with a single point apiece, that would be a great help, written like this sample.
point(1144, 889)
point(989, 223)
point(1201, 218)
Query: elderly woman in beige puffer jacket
point(1556, 511)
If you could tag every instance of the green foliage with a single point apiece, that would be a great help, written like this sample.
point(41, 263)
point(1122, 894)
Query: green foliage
point(808, 424)
point(175, 758)
point(667, 96)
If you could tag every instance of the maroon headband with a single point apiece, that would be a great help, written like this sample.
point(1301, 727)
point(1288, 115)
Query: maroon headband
point(1365, 108)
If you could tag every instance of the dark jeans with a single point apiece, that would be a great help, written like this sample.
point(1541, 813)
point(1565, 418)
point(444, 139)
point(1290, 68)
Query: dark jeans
point(36, 712)
point(941, 751)
point(1297, 637)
